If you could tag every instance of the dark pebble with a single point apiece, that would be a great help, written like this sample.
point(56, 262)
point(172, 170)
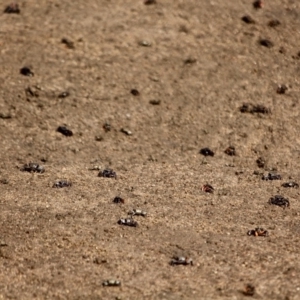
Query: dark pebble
point(64, 130)
point(248, 19)
point(26, 71)
point(266, 43)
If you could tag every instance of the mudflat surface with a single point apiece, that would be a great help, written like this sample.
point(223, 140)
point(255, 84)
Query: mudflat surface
point(194, 64)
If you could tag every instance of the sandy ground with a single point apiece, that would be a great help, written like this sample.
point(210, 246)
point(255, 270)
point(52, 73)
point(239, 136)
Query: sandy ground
point(194, 64)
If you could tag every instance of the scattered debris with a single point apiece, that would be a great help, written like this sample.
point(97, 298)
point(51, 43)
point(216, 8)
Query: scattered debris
point(181, 260)
point(118, 200)
point(271, 176)
point(279, 201)
point(251, 108)
point(281, 89)
point(135, 92)
point(111, 282)
point(68, 43)
point(207, 188)
point(64, 130)
point(230, 151)
point(12, 8)
point(62, 184)
point(266, 43)
point(126, 131)
point(248, 19)
point(207, 152)
point(33, 167)
point(249, 290)
point(137, 212)
point(107, 173)
point(290, 184)
point(26, 71)
point(128, 222)
point(258, 232)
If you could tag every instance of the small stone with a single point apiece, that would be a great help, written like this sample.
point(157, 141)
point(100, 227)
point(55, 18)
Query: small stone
point(258, 4)
point(126, 131)
point(26, 71)
point(266, 43)
point(248, 19)
point(135, 92)
point(98, 138)
point(145, 43)
point(149, 2)
point(154, 102)
point(281, 89)
point(64, 130)
point(68, 43)
point(13, 8)
point(64, 94)
point(274, 23)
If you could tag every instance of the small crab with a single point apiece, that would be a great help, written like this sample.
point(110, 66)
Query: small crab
point(33, 167)
point(107, 173)
point(181, 260)
point(111, 282)
point(207, 152)
point(250, 108)
point(271, 176)
point(290, 184)
point(280, 201)
point(128, 222)
point(137, 212)
point(258, 232)
point(207, 188)
point(62, 184)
